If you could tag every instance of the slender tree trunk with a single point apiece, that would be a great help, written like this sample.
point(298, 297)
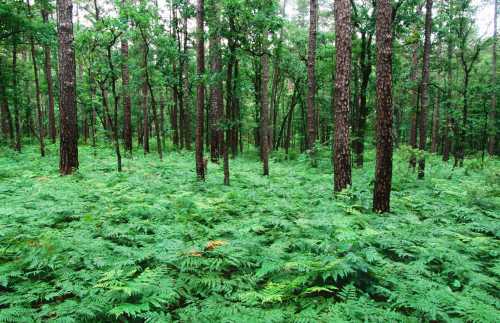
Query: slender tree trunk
point(67, 93)
point(127, 105)
point(200, 91)
point(264, 112)
point(311, 79)
point(48, 78)
point(415, 104)
point(424, 99)
point(17, 117)
point(6, 117)
point(383, 168)
point(492, 115)
point(435, 125)
point(343, 44)
point(448, 127)
point(41, 131)
point(145, 117)
point(186, 110)
point(217, 100)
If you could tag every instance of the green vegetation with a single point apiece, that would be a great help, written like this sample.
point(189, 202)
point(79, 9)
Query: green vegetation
point(153, 244)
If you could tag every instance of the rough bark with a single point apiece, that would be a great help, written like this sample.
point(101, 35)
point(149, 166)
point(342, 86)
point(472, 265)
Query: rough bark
point(383, 167)
point(424, 99)
point(68, 150)
point(311, 79)
point(492, 114)
point(48, 78)
point(6, 117)
point(200, 90)
point(343, 44)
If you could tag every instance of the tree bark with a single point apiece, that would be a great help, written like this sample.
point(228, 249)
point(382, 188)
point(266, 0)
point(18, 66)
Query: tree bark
point(343, 44)
point(435, 125)
point(311, 78)
point(383, 168)
point(186, 110)
point(6, 117)
point(68, 150)
point(200, 90)
point(492, 114)
point(424, 99)
point(448, 127)
point(217, 101)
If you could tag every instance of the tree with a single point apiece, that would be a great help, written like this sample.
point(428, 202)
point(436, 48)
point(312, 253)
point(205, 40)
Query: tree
point(48, 77)
point(424, 92)
point(311, 78)
point(264, 109)
point(68, 150)
point(343, 44)
point(127, 105)
point(200, 90)
point(492, 115)
point(383, 167)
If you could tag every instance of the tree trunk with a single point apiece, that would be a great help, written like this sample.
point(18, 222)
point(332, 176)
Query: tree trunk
point(448, 127)
point(67, 93)
point(424, 99)
point(343, 44)
point(415, 104)
point(361, 115)
point(217, 101)
point(127, 105)
point(200, 90)
point(145, 117)
point(48, 78)
point(435, 125)
point(383, 168)
point(186, 111)
point(311, 79)
point(492, 115)
point(264, 112)
point(6, 117)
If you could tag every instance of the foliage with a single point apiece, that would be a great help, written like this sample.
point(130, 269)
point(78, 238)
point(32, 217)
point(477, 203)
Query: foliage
point(152, 244)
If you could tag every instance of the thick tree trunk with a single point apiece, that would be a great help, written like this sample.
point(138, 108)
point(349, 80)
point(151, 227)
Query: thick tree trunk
point(264, 109)
point(383, 168)
point(343, 44)
point(311, 79)
point(200, 90)
point(492, 115)
point(68, 151)
point(424, 99)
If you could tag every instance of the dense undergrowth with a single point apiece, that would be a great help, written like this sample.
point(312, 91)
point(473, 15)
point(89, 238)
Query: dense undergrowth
point(151, 244)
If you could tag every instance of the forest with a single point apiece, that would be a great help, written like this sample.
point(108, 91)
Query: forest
point(249, 161)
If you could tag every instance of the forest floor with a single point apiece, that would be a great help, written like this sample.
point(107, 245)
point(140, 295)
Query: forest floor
point(152, 244)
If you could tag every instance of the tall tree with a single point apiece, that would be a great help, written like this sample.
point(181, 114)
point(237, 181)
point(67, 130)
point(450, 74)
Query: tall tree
point(68, 148)
point(311, 76)
point(200, 90)
point(424, 92)
point(383, 167)
point(343, 44)
point(264, 108)
point(48, 77)
point(217, 101)
point(127, 104)
point(493, 109)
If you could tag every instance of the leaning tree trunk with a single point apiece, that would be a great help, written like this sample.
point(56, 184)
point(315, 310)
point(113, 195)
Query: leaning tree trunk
point(343, 43)
point(383, 168)
point(492, 128)
point(311, 79)
point(424, 99)
point(200, 91)
point(68, 151)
